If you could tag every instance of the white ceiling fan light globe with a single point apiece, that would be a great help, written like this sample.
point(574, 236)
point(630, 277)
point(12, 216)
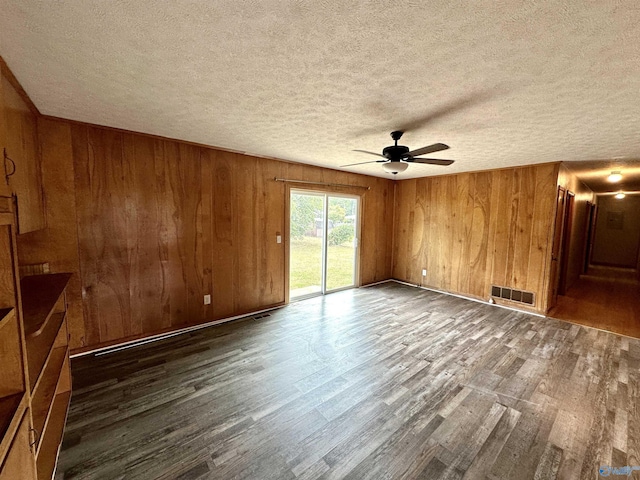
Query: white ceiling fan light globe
point(395, 167)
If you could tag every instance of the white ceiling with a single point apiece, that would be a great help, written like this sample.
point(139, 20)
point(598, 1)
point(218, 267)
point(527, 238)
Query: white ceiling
point(502, 82)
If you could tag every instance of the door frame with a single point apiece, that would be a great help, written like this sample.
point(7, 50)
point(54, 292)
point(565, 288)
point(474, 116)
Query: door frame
point(565, 249)
point(556, 246)
point(287, 239)
point(589, 235)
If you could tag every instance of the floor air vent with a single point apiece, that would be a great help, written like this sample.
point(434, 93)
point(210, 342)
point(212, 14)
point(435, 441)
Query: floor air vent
point(513, 295)
point(261, 316)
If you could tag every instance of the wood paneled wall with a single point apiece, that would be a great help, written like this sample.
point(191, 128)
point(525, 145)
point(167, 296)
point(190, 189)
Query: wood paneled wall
point(473, 230)
point(578, 234)
point(152, 225)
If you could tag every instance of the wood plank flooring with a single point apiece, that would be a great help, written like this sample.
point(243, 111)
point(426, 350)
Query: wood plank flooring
point(383, 382)
point(606, 298)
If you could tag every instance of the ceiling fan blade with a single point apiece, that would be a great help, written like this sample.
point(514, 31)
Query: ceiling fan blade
point(362, 163)
point(370, 153)
point(436, 147)
point(431, 161)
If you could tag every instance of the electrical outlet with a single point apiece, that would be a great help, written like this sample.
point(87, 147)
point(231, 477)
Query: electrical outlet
point(207, 299)
point(424, 272)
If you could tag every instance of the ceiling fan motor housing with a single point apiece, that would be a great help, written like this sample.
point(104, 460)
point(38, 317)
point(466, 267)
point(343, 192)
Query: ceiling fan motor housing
point(395, 152)
point(397, 157)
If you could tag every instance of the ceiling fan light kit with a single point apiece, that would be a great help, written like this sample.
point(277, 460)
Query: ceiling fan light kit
point(396, 158)
point(395, 167)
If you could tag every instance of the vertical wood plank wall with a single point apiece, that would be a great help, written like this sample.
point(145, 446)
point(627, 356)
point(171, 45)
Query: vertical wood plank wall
point(583, 194)
point(151, 225)
point(473, 230)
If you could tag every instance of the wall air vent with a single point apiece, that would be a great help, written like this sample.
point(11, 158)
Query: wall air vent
point(513, 295)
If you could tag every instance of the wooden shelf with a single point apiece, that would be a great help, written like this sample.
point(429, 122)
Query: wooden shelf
point(33, 342)
point(40, 293)
point(6, 314)
point(39, 348)
point(9, 407)
point(11, 364)
point(42, 399)
point(12, 409)
point(50, 445)
point(19, 462)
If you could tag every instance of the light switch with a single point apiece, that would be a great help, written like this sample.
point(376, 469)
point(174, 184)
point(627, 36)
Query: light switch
point(278, 238)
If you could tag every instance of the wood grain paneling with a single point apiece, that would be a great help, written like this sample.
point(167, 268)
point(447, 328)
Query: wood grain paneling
point(473, 230)
point(19, 136)
point(152, 225)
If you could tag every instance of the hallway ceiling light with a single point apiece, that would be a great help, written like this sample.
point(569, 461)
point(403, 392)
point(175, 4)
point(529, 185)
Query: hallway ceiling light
point(620, 195)
point(614, 177)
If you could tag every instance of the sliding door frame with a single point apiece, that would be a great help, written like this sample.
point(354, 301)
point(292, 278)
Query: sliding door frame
point(287, 240)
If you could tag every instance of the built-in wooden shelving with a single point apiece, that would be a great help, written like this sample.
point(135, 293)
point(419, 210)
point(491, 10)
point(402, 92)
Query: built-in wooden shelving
point(39, 348)
point(12, 384)
point(19, 463)
point(9, 407)
point(48, 362)
point(52, 439)
point(42, 397)
point(35, 384)
point(12, 380)
point(6, 314)
point(40, 294)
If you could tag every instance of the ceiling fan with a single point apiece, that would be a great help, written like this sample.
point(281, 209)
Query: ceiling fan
point(398, 157)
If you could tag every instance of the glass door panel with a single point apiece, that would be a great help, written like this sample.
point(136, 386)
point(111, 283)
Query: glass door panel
point(306, 255)
point(342, 214)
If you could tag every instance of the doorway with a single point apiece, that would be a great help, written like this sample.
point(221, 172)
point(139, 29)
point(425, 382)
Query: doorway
point(554, 276)
point(323, 242)
point(606, 294)
point(561, 245)
point(565, 251)
point(590, 234)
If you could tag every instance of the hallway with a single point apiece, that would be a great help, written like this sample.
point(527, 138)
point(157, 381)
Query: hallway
point(607, 298)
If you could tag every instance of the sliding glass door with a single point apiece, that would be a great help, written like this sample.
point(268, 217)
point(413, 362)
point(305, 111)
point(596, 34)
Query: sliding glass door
point(323, 242)
point(341, 242)
point(306, 251)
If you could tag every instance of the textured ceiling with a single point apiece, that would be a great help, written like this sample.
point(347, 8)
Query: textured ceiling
point(502, 82)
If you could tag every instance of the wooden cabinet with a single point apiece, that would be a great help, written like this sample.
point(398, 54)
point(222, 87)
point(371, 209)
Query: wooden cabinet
point(35, 385)
point(19, 140)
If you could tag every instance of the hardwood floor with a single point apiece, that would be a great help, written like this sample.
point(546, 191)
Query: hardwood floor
point(383, 382)
point(607, 298)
